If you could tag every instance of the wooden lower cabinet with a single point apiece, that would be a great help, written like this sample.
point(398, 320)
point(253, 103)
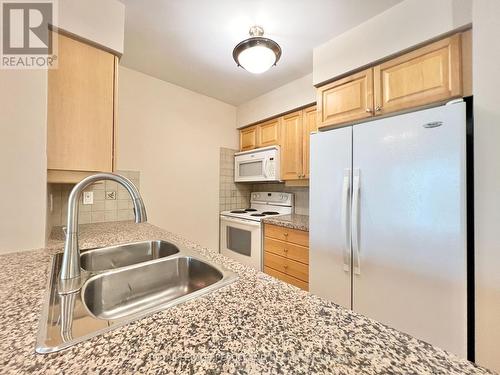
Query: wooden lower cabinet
point(286, 255)
point(294, 236)
point(287, 279)
point(287, 249)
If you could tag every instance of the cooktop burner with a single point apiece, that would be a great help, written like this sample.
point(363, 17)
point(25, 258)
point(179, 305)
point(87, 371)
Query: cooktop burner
point(238, 212)
point(270, 213)
point(250, 209)
point(258, 215)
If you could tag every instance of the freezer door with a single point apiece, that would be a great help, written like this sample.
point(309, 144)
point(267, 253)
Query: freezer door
point(409, 224)
point(329, 236)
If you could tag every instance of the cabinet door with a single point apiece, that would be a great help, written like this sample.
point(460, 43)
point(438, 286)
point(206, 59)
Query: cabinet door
point(347, 99)
point(291, 146)
point(80, 108)
point(310, 126)
point(429, 74)
point(248, 138)
point(269, 133)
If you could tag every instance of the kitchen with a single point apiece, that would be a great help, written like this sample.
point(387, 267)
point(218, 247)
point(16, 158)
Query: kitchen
point(382, 255)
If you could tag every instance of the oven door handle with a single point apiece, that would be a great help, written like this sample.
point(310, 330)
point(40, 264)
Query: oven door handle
point(240, 221)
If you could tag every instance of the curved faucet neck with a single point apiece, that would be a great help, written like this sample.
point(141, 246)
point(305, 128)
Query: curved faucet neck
point(70, 268)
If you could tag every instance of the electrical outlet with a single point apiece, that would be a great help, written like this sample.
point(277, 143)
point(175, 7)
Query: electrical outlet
point(88, 197)
point(111, 195)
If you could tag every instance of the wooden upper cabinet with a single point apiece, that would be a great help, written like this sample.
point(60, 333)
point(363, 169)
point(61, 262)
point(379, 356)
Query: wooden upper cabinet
point(269, 133)
point(291, 146)
point(429, 74)
point(310, 125)
point(347, 99)
point(248, 138)
point(80, 113)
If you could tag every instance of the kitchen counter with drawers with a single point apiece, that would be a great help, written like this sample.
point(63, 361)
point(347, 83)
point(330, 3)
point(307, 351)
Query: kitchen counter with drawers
point(258, 324)
point(286, 254)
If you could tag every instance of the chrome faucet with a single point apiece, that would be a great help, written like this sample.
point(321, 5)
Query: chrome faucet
point(70, 268)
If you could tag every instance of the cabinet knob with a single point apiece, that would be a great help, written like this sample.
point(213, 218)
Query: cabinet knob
point(285, 234)
point(368, 110)
point(285, 250)
point(378, 108)
point(285, 266)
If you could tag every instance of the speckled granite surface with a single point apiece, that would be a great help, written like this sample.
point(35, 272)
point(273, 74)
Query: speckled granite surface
point(255, 325)
point(294, 221)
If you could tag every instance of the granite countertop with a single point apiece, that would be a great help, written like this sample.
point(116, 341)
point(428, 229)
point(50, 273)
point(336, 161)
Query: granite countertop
point(293, 221)
point(256, 325)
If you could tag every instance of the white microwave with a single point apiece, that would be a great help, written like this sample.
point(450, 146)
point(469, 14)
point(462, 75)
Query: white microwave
point(260, 164)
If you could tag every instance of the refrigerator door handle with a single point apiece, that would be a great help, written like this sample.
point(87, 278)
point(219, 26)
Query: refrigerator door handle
point(355, 220)
point(345, 219)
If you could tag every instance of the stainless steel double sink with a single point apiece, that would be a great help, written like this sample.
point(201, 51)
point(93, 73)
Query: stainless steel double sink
point(120, 284)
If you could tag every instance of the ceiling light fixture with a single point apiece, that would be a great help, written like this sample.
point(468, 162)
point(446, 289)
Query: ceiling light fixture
point(257, 54)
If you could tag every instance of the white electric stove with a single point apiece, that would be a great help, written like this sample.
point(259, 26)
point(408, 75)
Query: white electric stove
point(241, 229)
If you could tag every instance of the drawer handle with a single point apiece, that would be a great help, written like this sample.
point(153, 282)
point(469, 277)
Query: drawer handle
point(285, 266)
point(285, 250)
point(285, 234)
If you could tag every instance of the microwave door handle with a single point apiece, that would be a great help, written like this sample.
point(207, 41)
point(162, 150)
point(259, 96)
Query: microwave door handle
point(264, 172)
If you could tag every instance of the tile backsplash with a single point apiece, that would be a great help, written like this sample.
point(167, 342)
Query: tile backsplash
point(231, 195)
point(111, 202)
point(237, 195)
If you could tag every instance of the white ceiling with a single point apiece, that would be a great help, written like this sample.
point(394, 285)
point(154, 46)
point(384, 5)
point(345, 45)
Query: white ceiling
point(190, 42)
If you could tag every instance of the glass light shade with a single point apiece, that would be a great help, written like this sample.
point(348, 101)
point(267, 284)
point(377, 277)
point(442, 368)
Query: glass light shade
point(257, 59)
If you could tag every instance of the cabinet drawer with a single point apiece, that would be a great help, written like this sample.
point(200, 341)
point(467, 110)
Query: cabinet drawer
point(287, 266)
point(287, 250)
point(287, 279)
point(295, 236)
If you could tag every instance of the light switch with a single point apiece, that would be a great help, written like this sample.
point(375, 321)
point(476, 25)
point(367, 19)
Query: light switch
point(88, 197)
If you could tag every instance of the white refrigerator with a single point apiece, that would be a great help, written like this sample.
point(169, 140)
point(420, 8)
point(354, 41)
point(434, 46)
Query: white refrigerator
point(388, 222)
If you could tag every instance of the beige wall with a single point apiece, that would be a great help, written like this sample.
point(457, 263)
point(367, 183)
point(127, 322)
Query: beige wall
point(101, 21)
point(23, 162)
point(486, 56)
point(173, 137)
point(285, 98)
point(406, 24)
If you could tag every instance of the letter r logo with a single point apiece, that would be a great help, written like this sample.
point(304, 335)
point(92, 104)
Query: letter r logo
point(25, 28)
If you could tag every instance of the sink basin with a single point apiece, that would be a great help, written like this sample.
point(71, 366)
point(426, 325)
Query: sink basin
point(125, 255)
point(121, 284)
point(129, 291)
